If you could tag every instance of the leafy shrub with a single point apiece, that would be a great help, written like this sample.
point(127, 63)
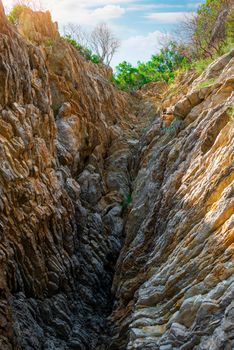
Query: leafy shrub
point(95, 58)
point(85, 52)
point(230, 112)
point(15, 13)
point(208, 32)
point(200, 65)
point(230, 26)
point(126, 201)
point(206, 83)
point(161, 67)
point(49, 43)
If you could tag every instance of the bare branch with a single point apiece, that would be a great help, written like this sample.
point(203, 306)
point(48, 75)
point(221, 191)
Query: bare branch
point(104, 43)
point(77, 33)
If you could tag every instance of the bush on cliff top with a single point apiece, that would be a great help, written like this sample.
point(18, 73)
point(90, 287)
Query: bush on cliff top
point(14, 16)
point(15, 13)
point(204, 37)
point(213, 28)
point(161, 67)
point(22, 5)
point(86, 53)
point(208, 34)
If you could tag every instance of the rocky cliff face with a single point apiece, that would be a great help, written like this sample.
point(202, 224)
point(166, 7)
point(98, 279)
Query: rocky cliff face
point(174, 283)
point(89, 174)
point(67, 139)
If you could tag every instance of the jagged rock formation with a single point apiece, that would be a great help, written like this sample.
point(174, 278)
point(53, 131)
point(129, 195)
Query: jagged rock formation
point(74, 153)
point(66, 141)
point(174, 283)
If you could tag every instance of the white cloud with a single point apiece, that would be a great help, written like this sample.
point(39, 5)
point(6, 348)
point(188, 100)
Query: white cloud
point(86, 3)
point(84, 12)
point(147, 7)
point(93, 3)
point(139, 48)
point(168, 17)
point(107, 12)
point(141, 7)
point(151, 7)
point(134, 47)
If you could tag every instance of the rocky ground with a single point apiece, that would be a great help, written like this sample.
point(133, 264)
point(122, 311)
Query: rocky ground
point(116, 227)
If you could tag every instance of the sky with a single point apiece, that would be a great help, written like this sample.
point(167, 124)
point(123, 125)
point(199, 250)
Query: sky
point(141, 25)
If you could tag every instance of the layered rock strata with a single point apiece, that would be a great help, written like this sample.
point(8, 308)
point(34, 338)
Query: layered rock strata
point(67, 141)
point(89, 175)
point(174, 282)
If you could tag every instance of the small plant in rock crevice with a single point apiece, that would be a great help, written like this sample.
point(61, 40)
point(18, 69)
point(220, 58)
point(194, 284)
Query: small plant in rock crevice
point(230, 112)
point(126, 201)
point(49, 43)
point(206, 83)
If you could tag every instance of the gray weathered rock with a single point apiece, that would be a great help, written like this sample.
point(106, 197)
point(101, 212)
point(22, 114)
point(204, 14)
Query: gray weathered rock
point(90, 176)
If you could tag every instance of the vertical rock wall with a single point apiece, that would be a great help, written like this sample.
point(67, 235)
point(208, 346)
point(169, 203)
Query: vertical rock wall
point(174, 282)
point(85, 170)
point(66, 139)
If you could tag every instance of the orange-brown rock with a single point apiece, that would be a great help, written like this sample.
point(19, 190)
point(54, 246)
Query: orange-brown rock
point(37, 26)
point(174, 281)
point(67, 140)
point(89, 175)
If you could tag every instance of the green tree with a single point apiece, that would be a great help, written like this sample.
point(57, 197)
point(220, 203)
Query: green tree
point(161, 67)
point(85, 52)
point(213, 27)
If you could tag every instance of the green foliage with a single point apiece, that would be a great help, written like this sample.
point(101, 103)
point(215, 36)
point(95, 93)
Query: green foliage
point(230, 112)
point(15, 13)
point(49, 43)
point(95, 58)
point(206, 83)
point(161, 67)
point(211, 34)
point(84, 51)
point(230, 26)
point(126, 201)
point(214, 28)
point(127, 77)
point(200, 65)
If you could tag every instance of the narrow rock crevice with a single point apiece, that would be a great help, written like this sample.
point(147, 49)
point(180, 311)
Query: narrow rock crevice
point(116, 225)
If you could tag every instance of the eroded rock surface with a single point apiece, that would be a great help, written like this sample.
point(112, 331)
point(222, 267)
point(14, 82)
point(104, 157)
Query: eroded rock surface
point(67, 139)
point(89, 174)
point(174, 283)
